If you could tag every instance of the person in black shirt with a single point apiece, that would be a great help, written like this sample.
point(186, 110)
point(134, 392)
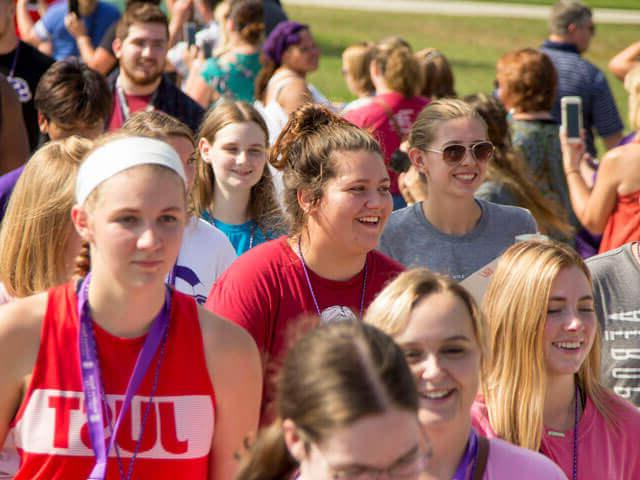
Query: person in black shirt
point(23, 66)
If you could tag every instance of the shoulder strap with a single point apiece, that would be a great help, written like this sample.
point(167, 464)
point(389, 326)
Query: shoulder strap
point(483, 455)
point(390, 117)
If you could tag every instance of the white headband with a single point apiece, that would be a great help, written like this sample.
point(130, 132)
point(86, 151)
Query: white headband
point(122, 154)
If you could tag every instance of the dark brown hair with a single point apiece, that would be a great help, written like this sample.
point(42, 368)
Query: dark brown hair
point(437, 75)
point(71, 94)
point(248, 20)
point(528, 80)
point(305, 152)
point(335, 375)
point(140, 12)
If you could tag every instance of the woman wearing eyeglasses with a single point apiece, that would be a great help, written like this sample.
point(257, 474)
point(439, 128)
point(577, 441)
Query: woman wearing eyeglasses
point(347, 410)
point(451, 232)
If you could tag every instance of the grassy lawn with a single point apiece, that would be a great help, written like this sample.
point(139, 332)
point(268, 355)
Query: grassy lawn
point(472, 45)
point(625, 4)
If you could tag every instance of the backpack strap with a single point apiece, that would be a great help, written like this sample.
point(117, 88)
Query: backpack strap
point(483, 455)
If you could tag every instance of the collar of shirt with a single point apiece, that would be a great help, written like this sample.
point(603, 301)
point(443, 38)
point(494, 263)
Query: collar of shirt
point(567, 47)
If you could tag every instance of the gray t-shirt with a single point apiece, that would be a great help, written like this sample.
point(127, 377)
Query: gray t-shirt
point(616, 285)
point(413, 241)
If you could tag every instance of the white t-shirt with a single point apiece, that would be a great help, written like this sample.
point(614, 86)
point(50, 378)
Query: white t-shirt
point(205, 254)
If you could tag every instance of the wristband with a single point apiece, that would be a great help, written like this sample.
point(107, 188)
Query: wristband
point(569, 172)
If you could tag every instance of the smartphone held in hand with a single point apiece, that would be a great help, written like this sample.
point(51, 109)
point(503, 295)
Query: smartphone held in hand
point(571, 109)
point(190, 33)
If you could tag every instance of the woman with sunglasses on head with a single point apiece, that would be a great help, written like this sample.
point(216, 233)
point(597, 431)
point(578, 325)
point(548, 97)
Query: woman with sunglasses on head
point(342, 386)
point(542, 387)
point(451, 232)
point(440, 329)
point(337, 202)
point(117, 347)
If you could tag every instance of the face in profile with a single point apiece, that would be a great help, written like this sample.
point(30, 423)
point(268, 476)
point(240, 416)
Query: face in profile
point(302, 57)
point(441, 348)
point(135, 226)
point(350, 453)
point(570, 328)
point(356, 203)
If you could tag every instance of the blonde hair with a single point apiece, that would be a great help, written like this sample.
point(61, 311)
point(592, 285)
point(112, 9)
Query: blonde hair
point(632, 86)
point(399, 68)
point(515, 306)
point(425, 128)
point(391, 309)
point(37, 226)
point(263, 206)
point(356, 60)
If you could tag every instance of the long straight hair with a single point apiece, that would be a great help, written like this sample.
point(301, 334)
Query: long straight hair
point(515, 306)
point(37, 228)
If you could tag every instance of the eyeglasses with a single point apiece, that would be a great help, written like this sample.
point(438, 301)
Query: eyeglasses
point(407, 468)
point(455, 153)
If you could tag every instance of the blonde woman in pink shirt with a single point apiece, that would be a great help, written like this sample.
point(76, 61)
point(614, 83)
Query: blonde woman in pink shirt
point(542, 387)
point(438, 325)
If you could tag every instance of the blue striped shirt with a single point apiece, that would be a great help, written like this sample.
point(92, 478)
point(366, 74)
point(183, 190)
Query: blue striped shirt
point(578, 77)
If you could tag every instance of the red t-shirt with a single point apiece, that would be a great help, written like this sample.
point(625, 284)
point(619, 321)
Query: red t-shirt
point(604, 451)
point(374, 118)
point(50, 428)
point(623, 225)
point(136, 103)
point(265, 291)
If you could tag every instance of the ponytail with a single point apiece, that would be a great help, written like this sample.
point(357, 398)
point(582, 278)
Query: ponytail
point(262, 80)
point(400, 69)
point(83, 261)
point(268, 458)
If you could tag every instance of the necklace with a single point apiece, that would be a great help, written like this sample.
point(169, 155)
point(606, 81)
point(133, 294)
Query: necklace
point(14, 63)
point(95, 399)
point(553, 433)
point(313, 294)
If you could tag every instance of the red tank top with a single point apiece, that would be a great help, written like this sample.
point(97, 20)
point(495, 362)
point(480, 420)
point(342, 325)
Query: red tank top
point(623, 225)
point(50, 428)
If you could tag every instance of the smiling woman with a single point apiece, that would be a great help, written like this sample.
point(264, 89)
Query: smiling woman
point(337, 201)
point(451, 232)
point(542, 386)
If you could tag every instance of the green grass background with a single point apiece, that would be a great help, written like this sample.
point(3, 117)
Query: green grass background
point(472, 45)
point(625, 4)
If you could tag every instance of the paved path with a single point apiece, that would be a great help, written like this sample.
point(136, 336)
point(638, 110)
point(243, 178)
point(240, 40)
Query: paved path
point(461, 8)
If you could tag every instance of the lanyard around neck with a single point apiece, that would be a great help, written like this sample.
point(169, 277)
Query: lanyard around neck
point(92, 381)
point(125, 111)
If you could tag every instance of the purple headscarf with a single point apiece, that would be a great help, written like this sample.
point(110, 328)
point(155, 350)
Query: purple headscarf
point(282, 37)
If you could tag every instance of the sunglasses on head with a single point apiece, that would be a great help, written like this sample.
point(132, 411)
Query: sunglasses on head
point(454, 153)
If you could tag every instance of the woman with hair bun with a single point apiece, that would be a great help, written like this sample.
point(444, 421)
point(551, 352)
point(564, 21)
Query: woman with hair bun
point(541, 388)
point(337, 202)
point(396, 77)
point(231, 74)
point(340, 385)
point(289, 54)
point(116, 347)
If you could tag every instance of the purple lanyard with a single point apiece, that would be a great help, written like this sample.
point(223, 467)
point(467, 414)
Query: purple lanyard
point(91, 379)
point(469, 459)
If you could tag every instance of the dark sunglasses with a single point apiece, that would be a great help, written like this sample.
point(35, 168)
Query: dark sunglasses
point(455, 153)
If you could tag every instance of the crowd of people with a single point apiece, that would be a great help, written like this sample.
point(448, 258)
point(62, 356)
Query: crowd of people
point(210, 270)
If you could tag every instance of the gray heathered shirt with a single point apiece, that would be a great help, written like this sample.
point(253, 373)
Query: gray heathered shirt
point(413, 241)
point(616, 286)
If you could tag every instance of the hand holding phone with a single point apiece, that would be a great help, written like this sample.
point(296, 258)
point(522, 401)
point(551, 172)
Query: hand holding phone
point(189, 33)
point(571, 110)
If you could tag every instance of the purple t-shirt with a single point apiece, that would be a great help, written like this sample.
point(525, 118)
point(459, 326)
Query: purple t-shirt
point(7, 183)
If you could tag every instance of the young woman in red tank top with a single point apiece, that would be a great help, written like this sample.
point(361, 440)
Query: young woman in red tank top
point(119, 349)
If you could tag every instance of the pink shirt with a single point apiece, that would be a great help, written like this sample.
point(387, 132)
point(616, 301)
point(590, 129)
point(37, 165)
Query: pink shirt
point(507, 462)
point(604, 452)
